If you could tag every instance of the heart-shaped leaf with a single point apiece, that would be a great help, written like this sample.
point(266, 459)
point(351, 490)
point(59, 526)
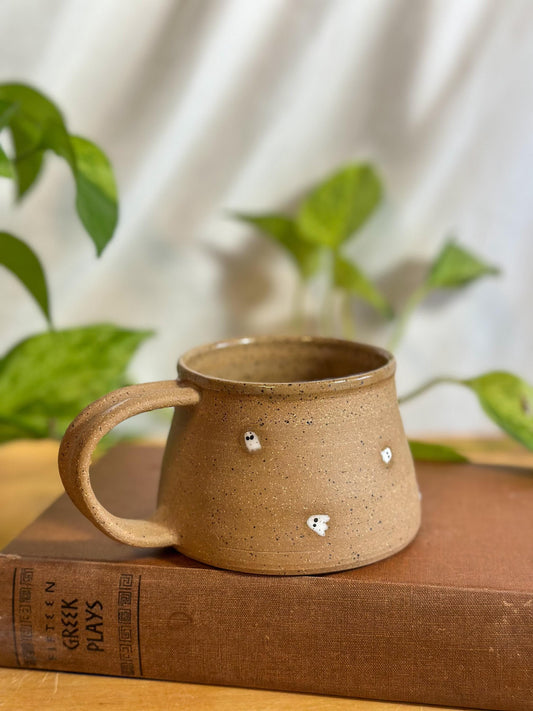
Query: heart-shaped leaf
point(96, 197)
point(431, 452)
point(22, 261)
point(284, 231)
point(508, 401)
point(348, 276)
point(340, 205)
point(52, 376)
point(37, 125)
point(455, 267)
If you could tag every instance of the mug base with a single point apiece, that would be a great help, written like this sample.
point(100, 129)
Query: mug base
point(303, 567)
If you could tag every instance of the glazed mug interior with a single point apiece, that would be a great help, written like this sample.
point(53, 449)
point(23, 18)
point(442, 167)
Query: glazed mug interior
point(278, 361)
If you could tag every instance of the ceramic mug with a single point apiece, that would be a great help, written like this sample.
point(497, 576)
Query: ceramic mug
point(285, 456)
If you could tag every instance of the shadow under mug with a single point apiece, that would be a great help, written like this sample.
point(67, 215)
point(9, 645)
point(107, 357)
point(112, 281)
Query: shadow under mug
point(285, 456)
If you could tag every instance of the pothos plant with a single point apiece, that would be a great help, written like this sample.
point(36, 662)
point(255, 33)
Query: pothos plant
point(47, 378)
point(315, 238)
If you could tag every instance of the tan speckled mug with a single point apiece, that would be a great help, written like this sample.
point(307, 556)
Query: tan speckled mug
point(285, 456)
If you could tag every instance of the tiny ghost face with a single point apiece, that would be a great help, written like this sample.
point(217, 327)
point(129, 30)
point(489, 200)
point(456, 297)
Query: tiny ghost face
point(386, 454)
point(318, 523)
point(251, 440)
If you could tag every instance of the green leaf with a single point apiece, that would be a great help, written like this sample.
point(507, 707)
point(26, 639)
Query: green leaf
point(508, 401)
point(28, 161)
point(34, 106)
point(12, 427)
point(348, 276)
point(47, 379)
point(22, 261)
point(7, 109)
point(96, 197)
point(340, 205)
point(284, 231)
point(6, 167)
point(455, 267)
point(36, 125)
point(430, 452)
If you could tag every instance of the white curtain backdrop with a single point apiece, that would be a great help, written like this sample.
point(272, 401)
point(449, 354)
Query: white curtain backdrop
point(210, 105)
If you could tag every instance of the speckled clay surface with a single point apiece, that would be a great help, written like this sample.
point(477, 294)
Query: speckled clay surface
point(288, 456)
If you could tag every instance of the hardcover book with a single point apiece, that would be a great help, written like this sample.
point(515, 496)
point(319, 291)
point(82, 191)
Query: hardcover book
point(448, 620)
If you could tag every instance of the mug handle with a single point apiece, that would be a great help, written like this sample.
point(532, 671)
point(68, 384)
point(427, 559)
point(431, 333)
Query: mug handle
point(79, 443)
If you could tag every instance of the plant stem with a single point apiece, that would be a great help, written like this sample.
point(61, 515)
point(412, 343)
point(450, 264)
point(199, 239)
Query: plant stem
point(298, 308)
point(348, 323)
point(426, 386)
point(416, 297)
point(327, 318)
point(327, 326)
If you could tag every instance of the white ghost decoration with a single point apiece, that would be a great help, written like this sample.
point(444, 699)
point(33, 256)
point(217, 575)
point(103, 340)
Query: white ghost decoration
point(251, 440)
point(386, 454)
point(318, 523)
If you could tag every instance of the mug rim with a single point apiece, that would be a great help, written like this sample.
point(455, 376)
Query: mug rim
point(187, 372)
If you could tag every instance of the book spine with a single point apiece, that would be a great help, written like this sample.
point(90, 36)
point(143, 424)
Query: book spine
point(326, 635)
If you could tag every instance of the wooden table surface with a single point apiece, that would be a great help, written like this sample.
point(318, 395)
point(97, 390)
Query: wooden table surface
point(29, 482)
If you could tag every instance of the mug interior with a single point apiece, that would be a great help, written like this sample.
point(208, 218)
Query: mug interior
point(286, 360)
